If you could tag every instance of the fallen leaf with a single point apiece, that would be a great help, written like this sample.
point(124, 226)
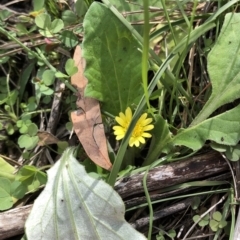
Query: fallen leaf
point(46, 138)
point(87, 120)
point(74, 205)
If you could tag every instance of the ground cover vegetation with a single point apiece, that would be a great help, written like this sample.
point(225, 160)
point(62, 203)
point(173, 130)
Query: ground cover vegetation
point(104, 103)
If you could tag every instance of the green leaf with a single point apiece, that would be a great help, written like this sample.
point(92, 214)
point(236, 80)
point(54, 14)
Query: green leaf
point(57, 25)
point(222, 129)
point(6, 170)
point(70, 67)
point(218, 147)
point(81, 8)
point(160, 236)
point(74, 205)
point(23, 125)
point(31, 106)
point(69, 126)
point(203, 222)
point(46, 33)
point(223, 67)
point(6, 200)
point(46, 99)
point(9, 128)
point(18, 190)
point(113, 60)
point(21, 28)
point(217, 216)
point(195, 202)
point(61, 75)
point(172, 233)
point(68, 38)
point(46, 90)
point(69, 17)
point(126, 6)
point(43, 21)
point(62, 145)
point(213, 225)
point(38, 4)
point(12, 97)
point(48, 77)
point(31, 177)
point(222, 224)
point(28, 142)
point(233, 152)
point(24, 78)
point(3, 98)
point(196, 218)
point(32, 129)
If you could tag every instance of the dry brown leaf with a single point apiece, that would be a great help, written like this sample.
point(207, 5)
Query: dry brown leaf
point(46, 138)
point(87, 120)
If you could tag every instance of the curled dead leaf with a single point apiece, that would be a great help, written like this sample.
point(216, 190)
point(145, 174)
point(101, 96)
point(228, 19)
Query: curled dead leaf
point(46, 138)
point(87, 121)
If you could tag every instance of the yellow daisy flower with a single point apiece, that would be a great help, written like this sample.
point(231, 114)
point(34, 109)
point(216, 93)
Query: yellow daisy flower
point(139, 132)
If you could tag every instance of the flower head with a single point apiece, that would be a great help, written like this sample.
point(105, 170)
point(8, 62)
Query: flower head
point(139, 132)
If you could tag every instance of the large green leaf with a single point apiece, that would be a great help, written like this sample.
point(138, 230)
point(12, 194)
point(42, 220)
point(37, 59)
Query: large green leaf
point(223, 129)
point(6, 170)
point(223, 67)
point(6, 200)
point(31, 177)
point(136, 7)
point(74, 205)
point(113, 60)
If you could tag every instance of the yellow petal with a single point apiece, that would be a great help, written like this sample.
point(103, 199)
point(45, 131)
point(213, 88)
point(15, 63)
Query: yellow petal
point(141, 139)
point(146, 135)
point(134, 141)
point(148, 127)
point(147, 121)
point(128, 114)
point(119, 137)
point(142, 118)
point(122, 116)
point(118, 128)
point(119, 132)
point(137, 143)
point(131, 141)
point(120, 121)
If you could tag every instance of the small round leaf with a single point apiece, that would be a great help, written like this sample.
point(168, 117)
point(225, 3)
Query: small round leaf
point(32, 129)
point(48, 77)
point(27, 142)
point(57, 25)
point(70, 67)
point(43, 21)
point(69, 17)
point(214, 225)
point(69, 39)
point(217, 216)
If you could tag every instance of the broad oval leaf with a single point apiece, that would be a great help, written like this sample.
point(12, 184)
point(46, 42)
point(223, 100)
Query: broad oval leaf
point(74, 205)
point(113, 61)
point(48, 77)
point(70, 67)
point(57, 25)
point(222, 129)
point(6, 200)
point(6, 170)
point(28, 142)
point(43, 21)
point(223, 67)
